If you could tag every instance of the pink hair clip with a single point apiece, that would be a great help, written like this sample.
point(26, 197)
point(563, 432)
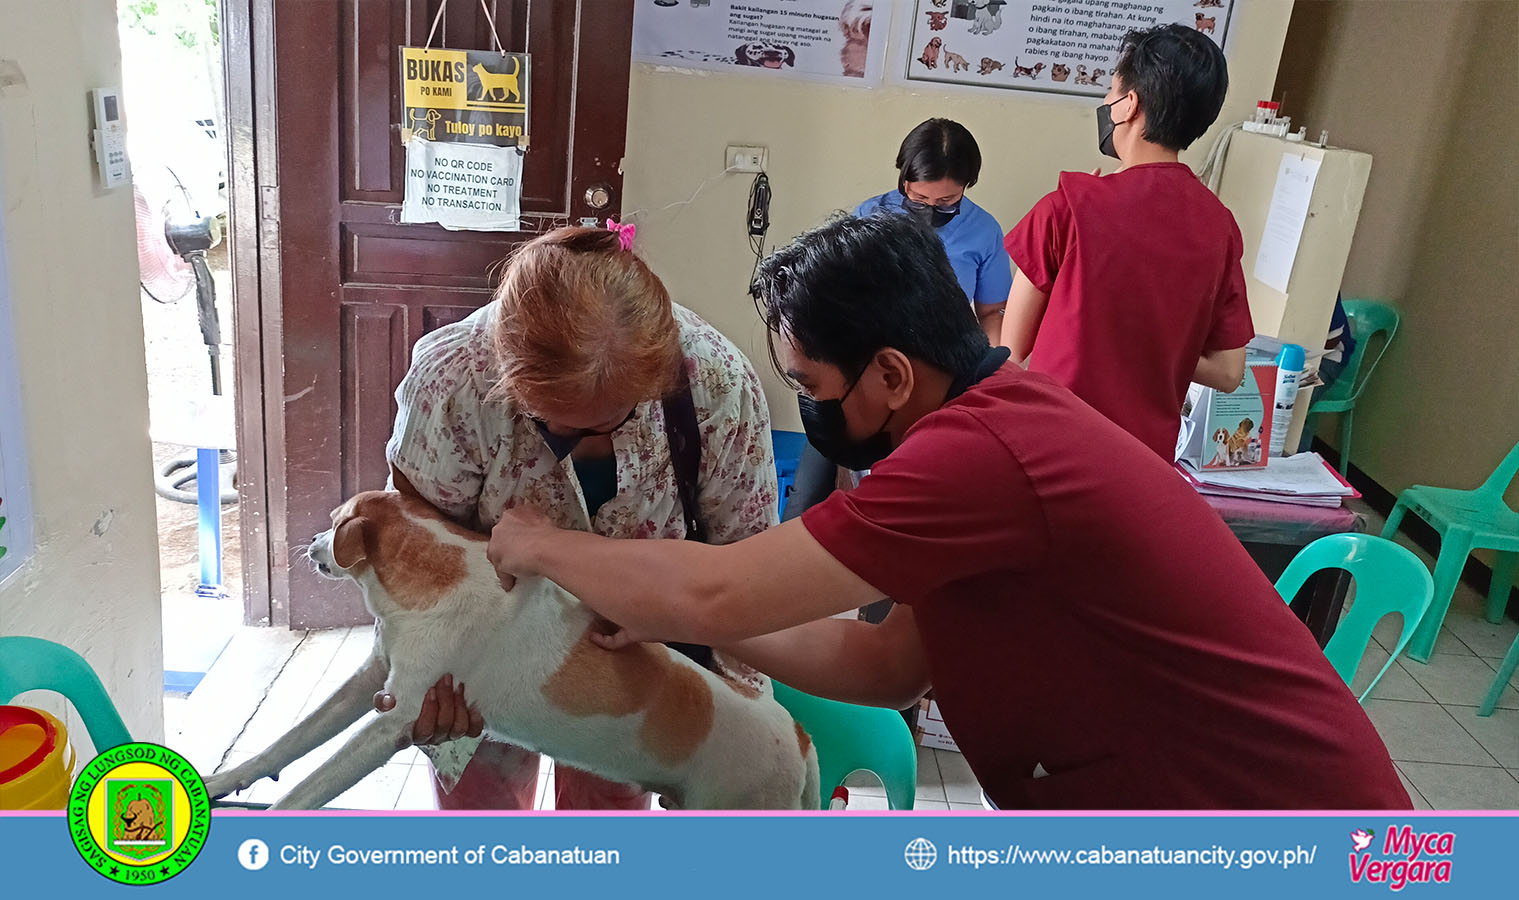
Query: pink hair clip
point(624, 233)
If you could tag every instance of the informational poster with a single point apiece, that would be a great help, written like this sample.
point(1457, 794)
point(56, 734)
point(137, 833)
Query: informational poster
point(1052, 46)
point(465, 129)
point(827, 40)
point(1284, 222)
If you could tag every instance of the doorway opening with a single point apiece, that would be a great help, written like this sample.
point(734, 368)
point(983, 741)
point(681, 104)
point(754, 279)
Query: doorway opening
point(173, 83)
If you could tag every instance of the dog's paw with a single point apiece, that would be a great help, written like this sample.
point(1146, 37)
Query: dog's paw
point(236, 779)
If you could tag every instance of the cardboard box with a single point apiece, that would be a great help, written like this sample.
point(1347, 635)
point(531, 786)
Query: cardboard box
point(1231, 431)
point(930, 728)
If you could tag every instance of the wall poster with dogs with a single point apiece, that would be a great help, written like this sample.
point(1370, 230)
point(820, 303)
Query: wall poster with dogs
point(465, 128)
point(821, 40)
point(1051, 46)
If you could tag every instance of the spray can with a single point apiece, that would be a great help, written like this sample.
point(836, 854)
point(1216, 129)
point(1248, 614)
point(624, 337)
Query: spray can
point(1289, 368)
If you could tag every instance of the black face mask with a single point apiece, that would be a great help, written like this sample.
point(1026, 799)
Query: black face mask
point(1105, 127)
point(936, 216)
point(828, 432)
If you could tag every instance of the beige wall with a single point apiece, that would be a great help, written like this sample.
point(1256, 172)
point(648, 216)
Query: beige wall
point(93, 583)
point(1438, 234)
point(831, 147)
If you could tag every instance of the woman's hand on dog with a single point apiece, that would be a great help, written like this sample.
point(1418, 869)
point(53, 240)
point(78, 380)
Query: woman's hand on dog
point(511, 542)
point(445, 714)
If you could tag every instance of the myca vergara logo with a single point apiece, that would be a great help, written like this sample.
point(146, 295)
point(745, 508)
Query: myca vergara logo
point(139, 814)
point(1407, 857)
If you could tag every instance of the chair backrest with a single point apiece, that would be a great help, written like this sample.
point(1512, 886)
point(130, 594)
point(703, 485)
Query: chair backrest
point(34, 664)
point(850, 738)
point(1368, 318)
point(1498, 482)
point(1388, 579)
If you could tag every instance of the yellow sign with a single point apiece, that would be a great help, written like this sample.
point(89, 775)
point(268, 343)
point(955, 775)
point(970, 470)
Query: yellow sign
point(468, 96)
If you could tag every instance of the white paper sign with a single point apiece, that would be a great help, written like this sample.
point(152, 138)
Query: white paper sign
point(828, 40)
point(1284, 223)
point(1053, 46)
point(473, 187)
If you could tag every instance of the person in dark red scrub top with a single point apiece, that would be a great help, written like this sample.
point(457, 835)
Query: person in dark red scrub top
point(1074, 605)
point(1129, 286)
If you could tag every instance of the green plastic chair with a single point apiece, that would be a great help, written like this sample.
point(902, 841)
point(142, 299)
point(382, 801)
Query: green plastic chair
point(1388, 579)
point(1368, 318)
point(1466, 521)
point(1505, 672)
point(852, 738)
point(33, 664)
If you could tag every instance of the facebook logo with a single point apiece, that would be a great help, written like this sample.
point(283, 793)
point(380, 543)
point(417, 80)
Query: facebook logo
point(253, 854)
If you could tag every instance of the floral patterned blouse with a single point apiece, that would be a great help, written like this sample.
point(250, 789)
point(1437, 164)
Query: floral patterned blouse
point(473, 454)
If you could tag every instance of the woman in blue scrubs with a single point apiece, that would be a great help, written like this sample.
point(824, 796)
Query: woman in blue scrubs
point(937, 163)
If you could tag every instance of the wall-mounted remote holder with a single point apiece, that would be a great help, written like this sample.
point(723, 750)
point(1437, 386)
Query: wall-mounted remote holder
point(110, 138)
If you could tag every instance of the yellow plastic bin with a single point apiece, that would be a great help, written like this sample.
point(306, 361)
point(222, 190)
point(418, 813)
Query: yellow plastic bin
point(36, 760)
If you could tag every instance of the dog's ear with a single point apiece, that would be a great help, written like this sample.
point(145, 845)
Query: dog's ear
point(790, 57)
point(349, 547)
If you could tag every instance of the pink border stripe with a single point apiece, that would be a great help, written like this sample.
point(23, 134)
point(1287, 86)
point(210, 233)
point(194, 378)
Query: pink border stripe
point(782, 814)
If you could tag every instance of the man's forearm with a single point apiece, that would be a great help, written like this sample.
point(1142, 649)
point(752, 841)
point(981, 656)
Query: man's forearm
point(841, 659)
point(644, 585)
point(674, 590)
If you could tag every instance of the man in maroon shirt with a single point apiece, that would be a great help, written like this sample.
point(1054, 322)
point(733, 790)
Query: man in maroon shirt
point(1075, 606)
point(1129, 286)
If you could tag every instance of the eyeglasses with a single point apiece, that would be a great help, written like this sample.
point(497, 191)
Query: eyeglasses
point(920, 205)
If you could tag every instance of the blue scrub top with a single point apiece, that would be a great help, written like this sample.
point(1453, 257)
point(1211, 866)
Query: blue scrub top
point(973, 240)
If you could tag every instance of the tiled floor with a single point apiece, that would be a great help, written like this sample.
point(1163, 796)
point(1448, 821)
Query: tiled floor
point(1427, 714)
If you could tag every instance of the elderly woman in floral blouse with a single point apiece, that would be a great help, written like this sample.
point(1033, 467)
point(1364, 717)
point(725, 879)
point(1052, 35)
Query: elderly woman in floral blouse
point(556, 396)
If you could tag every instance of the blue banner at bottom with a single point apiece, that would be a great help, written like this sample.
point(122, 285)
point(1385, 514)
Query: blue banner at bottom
point(265, 854)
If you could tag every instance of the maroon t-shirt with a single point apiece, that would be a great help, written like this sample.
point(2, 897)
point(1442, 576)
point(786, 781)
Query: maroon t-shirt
point(1142, 268)
point(1082, 608)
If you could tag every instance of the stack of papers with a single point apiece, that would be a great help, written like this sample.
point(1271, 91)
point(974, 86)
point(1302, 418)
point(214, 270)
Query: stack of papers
point(1304, 479)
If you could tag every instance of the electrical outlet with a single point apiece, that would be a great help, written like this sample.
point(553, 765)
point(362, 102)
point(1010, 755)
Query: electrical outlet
point(746, 159)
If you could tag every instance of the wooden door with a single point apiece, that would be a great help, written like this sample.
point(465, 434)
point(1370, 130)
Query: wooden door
point(357, 289)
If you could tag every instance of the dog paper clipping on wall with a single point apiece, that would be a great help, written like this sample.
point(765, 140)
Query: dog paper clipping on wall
point(817, 40)
point(465, 129)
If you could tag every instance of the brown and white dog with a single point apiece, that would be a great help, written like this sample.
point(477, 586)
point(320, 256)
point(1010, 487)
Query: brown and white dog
point(644, 715)
point(1027, 71)
point(854, 22)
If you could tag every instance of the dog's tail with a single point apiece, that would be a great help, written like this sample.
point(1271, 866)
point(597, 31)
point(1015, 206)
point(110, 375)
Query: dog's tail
point(811, 792)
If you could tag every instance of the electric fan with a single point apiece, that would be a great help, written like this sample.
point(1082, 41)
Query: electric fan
point(172, 240)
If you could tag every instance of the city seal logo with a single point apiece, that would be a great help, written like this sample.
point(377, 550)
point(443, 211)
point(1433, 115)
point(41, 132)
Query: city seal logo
point(139, 814)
